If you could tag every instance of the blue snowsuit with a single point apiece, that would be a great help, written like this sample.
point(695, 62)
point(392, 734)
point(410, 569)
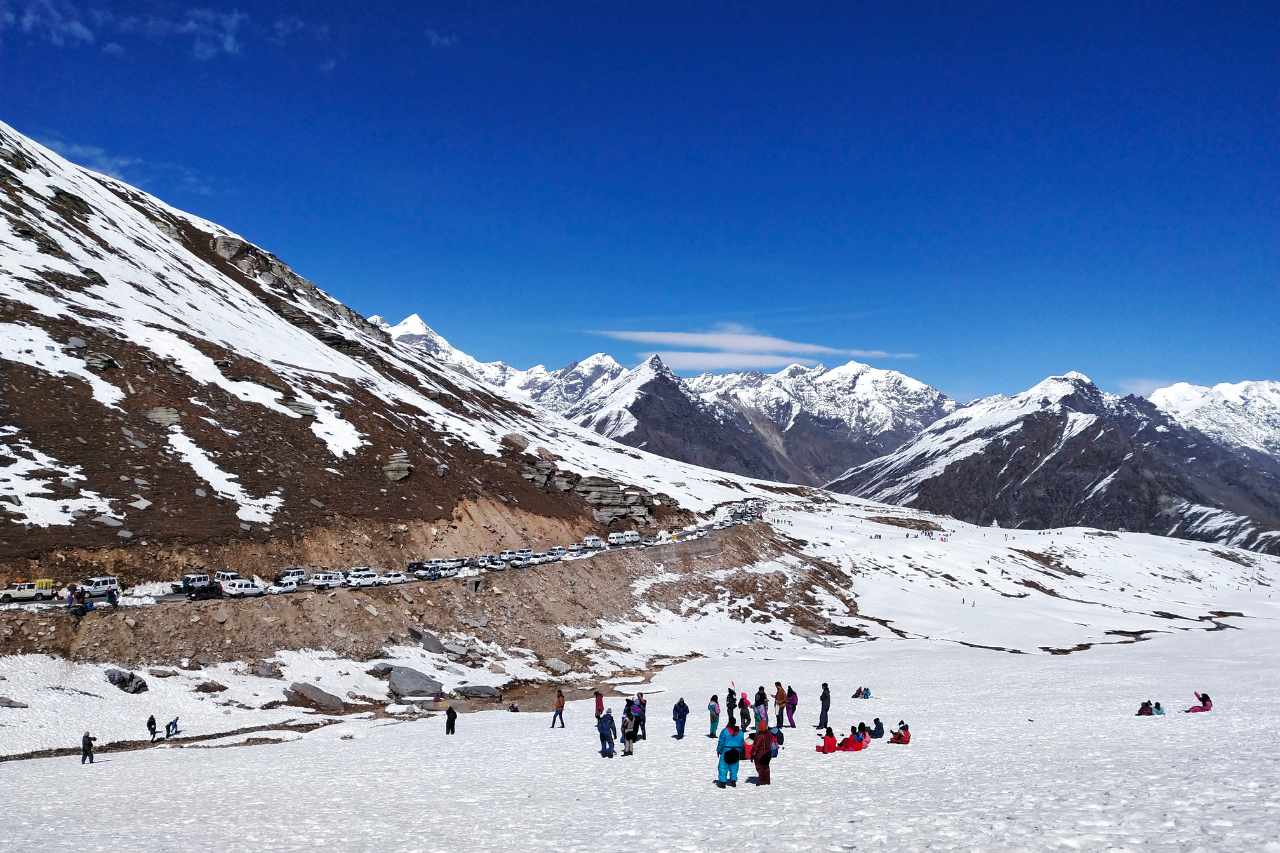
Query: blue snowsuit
point(727, 741)
point(608, 732)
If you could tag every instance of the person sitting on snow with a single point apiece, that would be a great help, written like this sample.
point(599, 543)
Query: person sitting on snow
point(828, 744)
point(1158, 710)
point(902, 734)
point(1144, 710)
point(1206, 704)
point(877, 730)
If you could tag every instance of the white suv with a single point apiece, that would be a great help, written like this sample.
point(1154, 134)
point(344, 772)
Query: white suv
point(223, 578)
point(241, 588)
point(100, 586)
point(326, 580)
point(362, 577)
point(392, 577)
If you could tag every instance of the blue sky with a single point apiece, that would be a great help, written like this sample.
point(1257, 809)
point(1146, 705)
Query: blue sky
point(978, 197)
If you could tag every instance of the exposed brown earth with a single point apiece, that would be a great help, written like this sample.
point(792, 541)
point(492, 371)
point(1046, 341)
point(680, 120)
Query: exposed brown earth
point(518, 608)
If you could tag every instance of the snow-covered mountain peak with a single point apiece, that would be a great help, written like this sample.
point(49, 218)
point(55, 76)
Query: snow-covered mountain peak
point(1240, 414)
point(413, 325)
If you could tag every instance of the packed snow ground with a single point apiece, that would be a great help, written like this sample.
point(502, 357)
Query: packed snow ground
point(1010, 752)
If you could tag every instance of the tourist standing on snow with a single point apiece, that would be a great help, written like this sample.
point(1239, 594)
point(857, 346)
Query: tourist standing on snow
point(761, 707)
point(608, 733)
point(641, 710)
point(793, 702)
point(713, 711)
point(628, 731)
point(680, 713)
point(729, 749)
point(450, 720)
point(86, 748)
point(824, 704)
point(744, 712)
point(151, 727)
point(762, 753)
point(779, 701)
point(730, 703)
point(559, 712)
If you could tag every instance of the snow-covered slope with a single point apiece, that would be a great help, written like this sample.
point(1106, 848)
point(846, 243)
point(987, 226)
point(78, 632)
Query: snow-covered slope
point(827, 421)
point(1243, 414)
point(1062, 453)
point(166, 381)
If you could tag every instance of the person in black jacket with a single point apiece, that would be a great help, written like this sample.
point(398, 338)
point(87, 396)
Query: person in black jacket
point(680, 713)
point(151, 727)
point(86, 748)
point(877, 728)
point(730, 703)
point(450, 720)
point(825, 704)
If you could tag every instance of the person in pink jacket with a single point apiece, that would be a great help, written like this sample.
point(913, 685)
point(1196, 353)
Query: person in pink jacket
point(1206, 704)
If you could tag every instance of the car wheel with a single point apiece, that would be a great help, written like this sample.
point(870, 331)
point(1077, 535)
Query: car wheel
point(5, 599)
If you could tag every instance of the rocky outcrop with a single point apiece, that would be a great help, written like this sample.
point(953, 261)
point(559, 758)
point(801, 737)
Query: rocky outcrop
point(126, 681)
point(405, 684)
point(609, 501)
point(310, 696)
point(478, 691)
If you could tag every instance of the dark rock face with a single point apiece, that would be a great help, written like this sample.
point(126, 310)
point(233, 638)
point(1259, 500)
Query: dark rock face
point(404, 683)
point(310, 696)
point(427, 640)
point(1084, 459)
point(478, 691)
point(127, 681)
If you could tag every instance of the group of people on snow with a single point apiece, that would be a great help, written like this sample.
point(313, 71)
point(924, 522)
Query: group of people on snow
point(1153, 709)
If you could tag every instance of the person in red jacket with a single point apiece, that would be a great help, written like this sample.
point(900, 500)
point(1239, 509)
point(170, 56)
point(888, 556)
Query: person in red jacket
point(762, 752)
point(828, 744)
point(901, 735)
point(599, 704)
point(1206, 704)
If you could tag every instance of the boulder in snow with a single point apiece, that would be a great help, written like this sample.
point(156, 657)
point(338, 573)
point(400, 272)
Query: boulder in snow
point(557, 666)
point(403, 682)
point(127, 681)
point(478, 691)
point(310, 696)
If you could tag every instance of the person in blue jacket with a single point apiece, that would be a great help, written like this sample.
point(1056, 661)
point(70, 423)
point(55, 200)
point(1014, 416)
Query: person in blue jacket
point(608, 733)
point(729, 748)
point(1157, 711)
point(680, 713)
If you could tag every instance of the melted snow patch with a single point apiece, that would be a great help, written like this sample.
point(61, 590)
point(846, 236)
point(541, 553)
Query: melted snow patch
point(22, 491)
point(227, 485)
point(32, 346)
point(341, 436)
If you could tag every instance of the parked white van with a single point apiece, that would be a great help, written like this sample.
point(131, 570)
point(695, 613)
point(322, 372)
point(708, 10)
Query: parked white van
point(94, 587)
point(592, 543)
point(617, 538)
point(631, 537)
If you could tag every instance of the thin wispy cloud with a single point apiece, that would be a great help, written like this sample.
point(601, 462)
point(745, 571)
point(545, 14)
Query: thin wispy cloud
point(731, 337)
point(734, 346)
point(1143, 386)
point(708, 361)
point(204, 33)
point(435, 38)
point(133, 170)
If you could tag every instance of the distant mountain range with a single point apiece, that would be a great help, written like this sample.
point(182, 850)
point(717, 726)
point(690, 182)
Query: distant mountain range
point(1190, 461)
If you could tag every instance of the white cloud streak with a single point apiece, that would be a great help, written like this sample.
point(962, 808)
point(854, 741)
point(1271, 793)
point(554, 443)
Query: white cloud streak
point(727, 360)
point(735, 339)
point(1143, 387)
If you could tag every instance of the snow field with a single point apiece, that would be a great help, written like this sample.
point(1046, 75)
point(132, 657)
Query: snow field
point(1009, 753)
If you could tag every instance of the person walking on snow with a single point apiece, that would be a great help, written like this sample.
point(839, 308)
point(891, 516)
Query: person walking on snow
point(729, 749)
point(824, 705)
point(713, 711)
point(559, 712)
point(779, 701)
point(450, 720)
point(793, 701)
point(608, 733)
point(680, 713)
point(151, 727)
point(86, 748)
point(1206, 704)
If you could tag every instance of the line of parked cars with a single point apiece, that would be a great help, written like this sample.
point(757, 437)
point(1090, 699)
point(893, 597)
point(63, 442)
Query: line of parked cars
point(197, 586)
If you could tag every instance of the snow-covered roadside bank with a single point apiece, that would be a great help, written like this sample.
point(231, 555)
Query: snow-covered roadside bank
point(1011, 752)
